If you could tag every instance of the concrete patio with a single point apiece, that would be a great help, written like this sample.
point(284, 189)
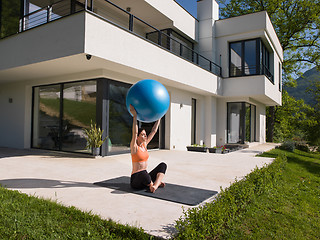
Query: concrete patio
point(69, 178)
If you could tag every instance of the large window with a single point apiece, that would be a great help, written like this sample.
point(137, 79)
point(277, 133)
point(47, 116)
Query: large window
point(249, 57)
point(120, 121)
point(46, 117)
point(62, 111)
point(241, 122)
point(60, 114)
point(79, 109)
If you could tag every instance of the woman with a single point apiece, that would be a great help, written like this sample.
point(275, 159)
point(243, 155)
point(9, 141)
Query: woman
point(140, 178)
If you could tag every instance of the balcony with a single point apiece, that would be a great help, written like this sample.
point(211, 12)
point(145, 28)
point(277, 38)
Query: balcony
point(122, 18)
point(251, 70)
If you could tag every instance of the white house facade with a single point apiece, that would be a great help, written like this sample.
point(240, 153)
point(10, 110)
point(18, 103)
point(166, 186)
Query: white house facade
point(69, 62)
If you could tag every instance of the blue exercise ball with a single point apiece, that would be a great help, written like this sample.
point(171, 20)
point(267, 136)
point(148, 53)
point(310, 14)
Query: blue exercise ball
point(149, 98)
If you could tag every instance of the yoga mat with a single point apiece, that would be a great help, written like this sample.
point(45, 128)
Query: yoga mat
point(172, 192)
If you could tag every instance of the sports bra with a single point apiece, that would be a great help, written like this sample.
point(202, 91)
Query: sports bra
point(141, 155)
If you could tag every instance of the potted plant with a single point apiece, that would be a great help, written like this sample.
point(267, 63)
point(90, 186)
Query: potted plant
point(94, 139)
point(197, 148)
point(217, 149)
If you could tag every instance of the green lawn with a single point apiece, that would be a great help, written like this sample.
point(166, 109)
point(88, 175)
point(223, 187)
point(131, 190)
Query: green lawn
point(279, 201)
point(25, 217)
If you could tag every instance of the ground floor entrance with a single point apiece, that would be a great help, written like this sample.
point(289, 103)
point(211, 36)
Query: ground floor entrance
point(241, 122)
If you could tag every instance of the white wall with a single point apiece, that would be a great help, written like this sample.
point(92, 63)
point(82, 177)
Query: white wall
point(261, 123)
point(182, 20)
point(125, 50)
point(57, 39)
point(207, 13)
point(245, 27)
point(221, 121)
point(180, 113)
point(180, 119)
point(210, 115)
point(14, 116)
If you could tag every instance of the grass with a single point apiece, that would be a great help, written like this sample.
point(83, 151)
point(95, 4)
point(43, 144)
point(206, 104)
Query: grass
point(75, 111)
point(28, 217)
point(292, 209)
point(279, 201)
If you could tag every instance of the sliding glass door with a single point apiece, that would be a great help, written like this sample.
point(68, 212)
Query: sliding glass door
point(60, 114)
point(79, 110)
point(120, 121)
point(241, 122)
point(62, 111)
point(46, 117)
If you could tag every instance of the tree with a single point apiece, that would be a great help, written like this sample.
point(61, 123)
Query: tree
point(297, 25)
point(293, 119)
point(9, 17)
point(314, 130)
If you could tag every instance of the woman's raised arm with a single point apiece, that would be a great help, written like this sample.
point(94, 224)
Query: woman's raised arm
point(133, 144)
point(153, 131)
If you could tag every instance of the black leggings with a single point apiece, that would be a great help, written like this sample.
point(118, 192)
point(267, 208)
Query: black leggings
point(142, 179)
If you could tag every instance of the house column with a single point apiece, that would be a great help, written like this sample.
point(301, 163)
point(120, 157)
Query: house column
point(210, 121)
point(102, 109)
point(207, 14)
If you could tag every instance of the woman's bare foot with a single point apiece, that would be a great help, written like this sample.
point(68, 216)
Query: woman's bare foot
point(152, 188)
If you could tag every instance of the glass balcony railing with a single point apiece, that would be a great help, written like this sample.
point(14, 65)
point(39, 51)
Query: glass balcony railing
point(237, 71)
point(122, 18)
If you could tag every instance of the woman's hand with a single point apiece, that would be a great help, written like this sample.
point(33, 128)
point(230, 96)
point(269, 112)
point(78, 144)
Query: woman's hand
point(133, 111)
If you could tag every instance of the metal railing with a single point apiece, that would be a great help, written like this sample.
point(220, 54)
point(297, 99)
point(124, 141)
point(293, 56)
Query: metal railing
point(237, 71)
point(49, 13)
point(265, 71)
point(120, 17)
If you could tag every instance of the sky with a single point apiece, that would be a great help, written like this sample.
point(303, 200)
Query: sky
point(189, 5)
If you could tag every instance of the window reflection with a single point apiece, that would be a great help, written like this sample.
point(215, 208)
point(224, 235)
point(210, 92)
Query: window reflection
point(61, 112)
point(249, 57)
point(235, 59)
point(234, 110)
point(46, 130)
point(241, 122)
point(79, 109)
point(120, 121)
point(56, 131)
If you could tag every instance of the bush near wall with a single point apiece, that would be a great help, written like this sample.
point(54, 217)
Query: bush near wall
point(210, 220)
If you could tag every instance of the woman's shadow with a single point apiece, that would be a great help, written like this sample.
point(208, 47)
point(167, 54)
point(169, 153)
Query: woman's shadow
point(42, 183)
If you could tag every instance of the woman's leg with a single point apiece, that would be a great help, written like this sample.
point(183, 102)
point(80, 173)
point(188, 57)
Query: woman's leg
point(157, 175)
point(140, 180)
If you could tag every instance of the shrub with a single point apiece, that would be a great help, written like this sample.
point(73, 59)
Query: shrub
point(209, 220)
point(302, 146)
point(288, 145)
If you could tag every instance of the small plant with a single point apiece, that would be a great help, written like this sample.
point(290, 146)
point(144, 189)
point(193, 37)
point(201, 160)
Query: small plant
point(302, 146)
point(220, 147)
point(94, 136)
point(198, 145)
point(288, 145)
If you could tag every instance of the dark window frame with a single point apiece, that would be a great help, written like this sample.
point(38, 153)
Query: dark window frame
point(242, 124)
point(280, 77)
point(102, 112)
point(262, 59)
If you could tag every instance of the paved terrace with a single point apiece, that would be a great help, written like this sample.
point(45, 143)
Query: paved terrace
point(69, 178)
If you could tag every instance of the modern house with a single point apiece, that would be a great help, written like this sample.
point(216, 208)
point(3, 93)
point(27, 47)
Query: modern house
point(65, 63)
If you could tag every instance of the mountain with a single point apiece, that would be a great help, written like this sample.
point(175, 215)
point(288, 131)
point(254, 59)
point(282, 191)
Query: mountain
point(303, 83)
